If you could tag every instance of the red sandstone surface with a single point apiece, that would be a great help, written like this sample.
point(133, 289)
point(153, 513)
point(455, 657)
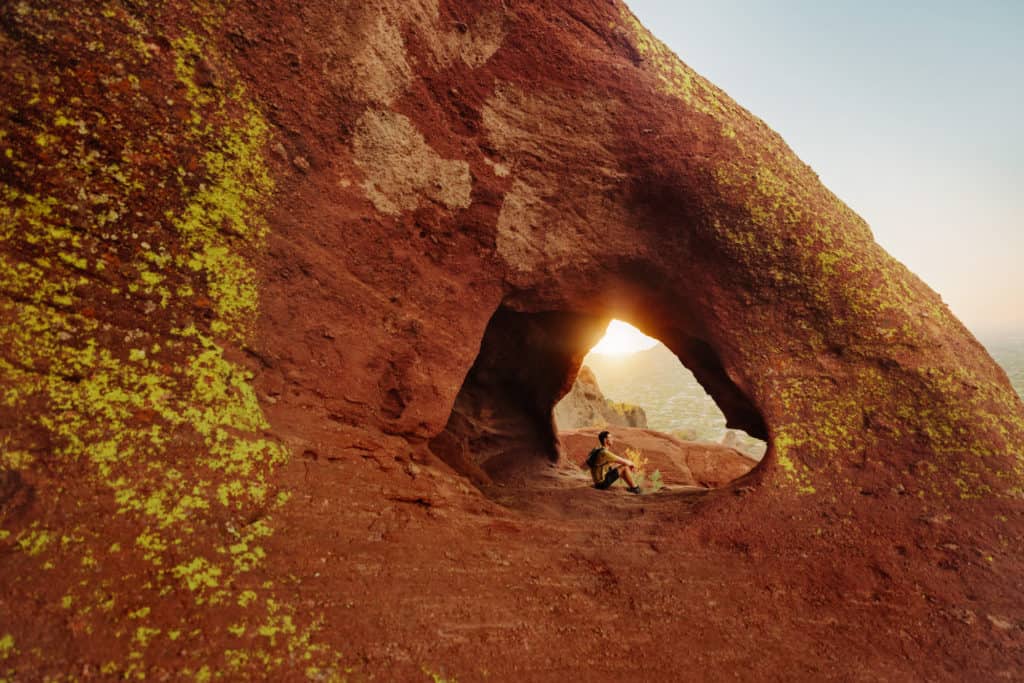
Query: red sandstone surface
point(287, 294)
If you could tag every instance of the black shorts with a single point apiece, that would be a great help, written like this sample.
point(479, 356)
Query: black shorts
point(610, 478)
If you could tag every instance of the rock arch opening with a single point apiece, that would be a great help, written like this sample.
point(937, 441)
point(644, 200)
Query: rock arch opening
point(502, 430)
point(630, 380)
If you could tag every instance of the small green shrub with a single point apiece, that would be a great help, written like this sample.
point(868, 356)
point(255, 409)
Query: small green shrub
point(640, 475)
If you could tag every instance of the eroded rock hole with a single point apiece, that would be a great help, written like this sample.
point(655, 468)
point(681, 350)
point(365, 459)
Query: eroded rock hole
point(650, 388)
point(637, 388)
point(502, 429)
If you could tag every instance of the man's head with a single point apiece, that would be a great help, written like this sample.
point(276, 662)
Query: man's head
point(605, 438)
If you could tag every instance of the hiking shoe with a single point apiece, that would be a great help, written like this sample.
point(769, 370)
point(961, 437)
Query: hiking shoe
point(633, 489)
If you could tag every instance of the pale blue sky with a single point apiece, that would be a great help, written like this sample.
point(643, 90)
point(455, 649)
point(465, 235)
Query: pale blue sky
point(911, 112)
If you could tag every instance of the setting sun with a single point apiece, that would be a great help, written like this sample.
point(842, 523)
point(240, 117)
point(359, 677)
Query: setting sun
point(622, 338)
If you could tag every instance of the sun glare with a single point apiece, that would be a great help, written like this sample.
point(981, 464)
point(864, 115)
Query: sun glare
point(622, 338)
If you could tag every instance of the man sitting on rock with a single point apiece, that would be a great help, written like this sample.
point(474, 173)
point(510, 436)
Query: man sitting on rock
point(606, 467)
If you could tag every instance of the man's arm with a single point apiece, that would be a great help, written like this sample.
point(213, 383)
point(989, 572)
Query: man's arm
point(621, 460)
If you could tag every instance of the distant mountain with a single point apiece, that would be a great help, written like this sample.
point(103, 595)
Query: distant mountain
point(654, 365)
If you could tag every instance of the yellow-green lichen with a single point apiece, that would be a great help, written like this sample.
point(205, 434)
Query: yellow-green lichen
point(438, 678)
point(126, 394)
point(678, 80)
point(6, 646)
point(35, 541)
point(798, 476)
point(198, 573)
point(143, 635)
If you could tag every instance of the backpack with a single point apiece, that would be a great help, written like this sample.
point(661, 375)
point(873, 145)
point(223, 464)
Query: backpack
point(592, 458)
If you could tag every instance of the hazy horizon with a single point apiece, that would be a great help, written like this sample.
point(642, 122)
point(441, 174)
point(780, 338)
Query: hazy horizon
point(911, 114)
point(1009, 355)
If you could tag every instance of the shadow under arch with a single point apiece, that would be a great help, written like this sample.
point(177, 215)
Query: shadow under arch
point(501, 427)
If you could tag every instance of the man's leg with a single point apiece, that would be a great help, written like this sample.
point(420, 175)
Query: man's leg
point(627, 476)
point(610, 478)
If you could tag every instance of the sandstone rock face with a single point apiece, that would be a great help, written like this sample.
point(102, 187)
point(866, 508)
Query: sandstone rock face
point(282, 285)
point(586, 406)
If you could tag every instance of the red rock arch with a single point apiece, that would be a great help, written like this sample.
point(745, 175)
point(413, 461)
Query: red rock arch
point(250, 253)
point(501, 422)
